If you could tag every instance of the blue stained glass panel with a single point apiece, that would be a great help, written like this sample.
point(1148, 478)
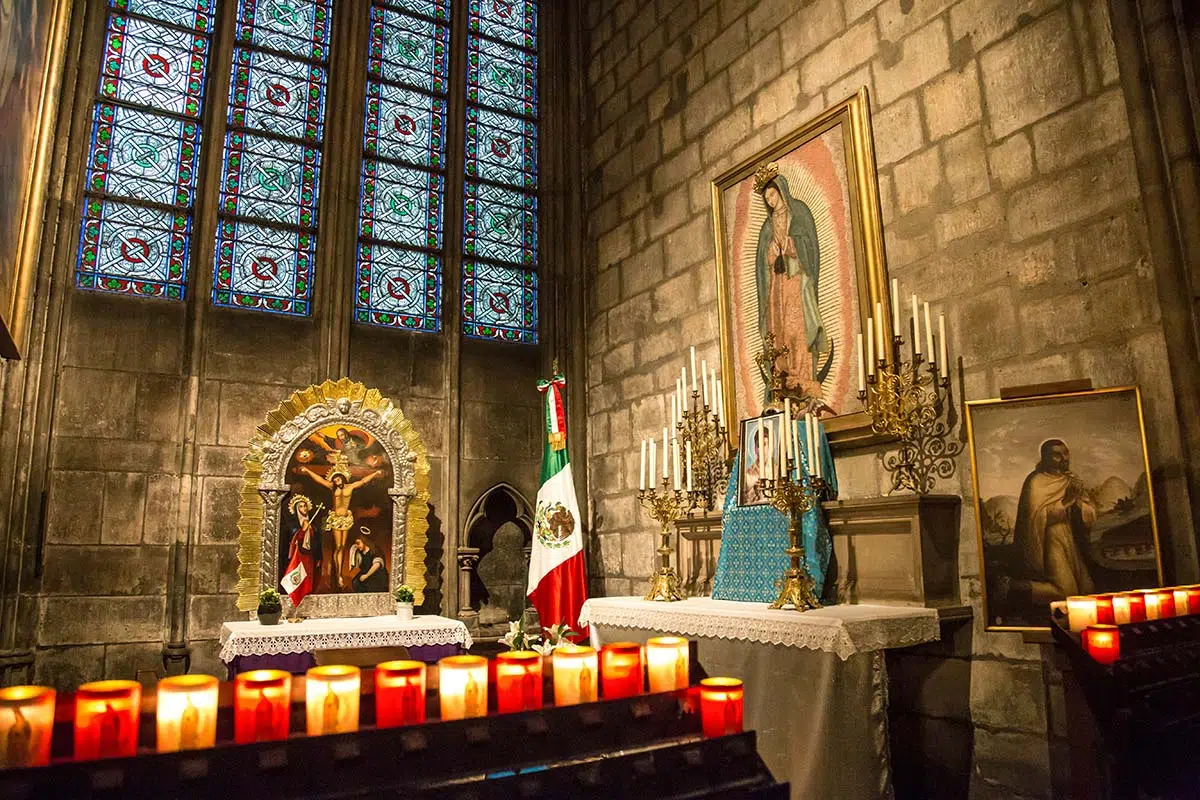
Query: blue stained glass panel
point(501, 148)
point(195, 14)
point(300, 28)
point(501, 76)
point(133, 250)
point(513, 21)
point(398, 288)
point(142, 155)
point(270, 179)
point(152, 65)
point(277, 95)
point(405, 125)
point(438, 9)
point(263, 268)
point(500, 303)
point(401, 205)
point(409, 50)
point(501, 224)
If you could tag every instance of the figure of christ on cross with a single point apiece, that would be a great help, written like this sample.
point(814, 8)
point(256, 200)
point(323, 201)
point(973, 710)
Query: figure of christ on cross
point(341, 518)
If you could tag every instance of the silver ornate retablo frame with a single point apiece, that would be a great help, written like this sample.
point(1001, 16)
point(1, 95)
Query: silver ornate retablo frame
point(265, 487)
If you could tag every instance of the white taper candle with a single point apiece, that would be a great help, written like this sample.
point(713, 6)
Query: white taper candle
point(704, 382)
point(942, 357)
point(879, 344)
point(689, 465)
point(928, 335)
point(895, 306)
point(675, 462)
point(693, 368)
point(683, 389)
point(653, 448)
point(642, 470)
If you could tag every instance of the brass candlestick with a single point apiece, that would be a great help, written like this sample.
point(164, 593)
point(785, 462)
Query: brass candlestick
point(711, 457)
point(665, 507)
point(795, 497)
point(913, 406)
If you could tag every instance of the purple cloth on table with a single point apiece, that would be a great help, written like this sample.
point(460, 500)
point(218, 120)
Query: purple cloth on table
point(299, 663)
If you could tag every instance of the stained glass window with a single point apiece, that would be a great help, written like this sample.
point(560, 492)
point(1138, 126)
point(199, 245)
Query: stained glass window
point(270, 187)
point(500, 213)
point(400, 235)
point(144, 149)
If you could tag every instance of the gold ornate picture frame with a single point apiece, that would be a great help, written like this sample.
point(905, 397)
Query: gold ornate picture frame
point(1064, 502)
point(812, 284)
point(298, 450)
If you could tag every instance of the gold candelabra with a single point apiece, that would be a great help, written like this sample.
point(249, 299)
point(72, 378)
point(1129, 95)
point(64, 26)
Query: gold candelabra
point(711, 457)
point(912, 405)
point(795, 497)
point(665, 507)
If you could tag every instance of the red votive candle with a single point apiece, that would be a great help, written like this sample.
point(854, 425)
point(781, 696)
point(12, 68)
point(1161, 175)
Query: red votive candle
point(621, 669)
point(26, 725)
point(1102, 643)
point(1166, 603)
point(518, 681)
point(399, 693)
point(1193, 600)
point(106, 719)
point(1104, 610)
point(721, 706)
point(1137, 607)
point(262, 702)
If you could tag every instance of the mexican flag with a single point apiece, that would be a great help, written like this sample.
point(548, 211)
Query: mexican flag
point(557, 579)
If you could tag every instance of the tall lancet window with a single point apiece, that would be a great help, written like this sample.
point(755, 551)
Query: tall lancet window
point(145, 147)
point(267, 230)
point(398, 282)
point(499, 283)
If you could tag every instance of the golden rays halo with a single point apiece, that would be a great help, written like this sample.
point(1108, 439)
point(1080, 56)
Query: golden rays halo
point(341, 393)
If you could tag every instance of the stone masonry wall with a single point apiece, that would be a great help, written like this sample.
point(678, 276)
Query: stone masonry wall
point(1009, 199)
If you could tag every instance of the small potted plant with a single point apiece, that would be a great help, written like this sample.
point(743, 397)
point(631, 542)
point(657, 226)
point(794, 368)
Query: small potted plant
point(269, 607)
point(403, 596)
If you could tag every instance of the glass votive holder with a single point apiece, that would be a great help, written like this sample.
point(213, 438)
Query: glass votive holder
point(575, 675)
point(1102, 643)
point(1182, 606)
point(399, 693)
point(26, 726)
point(721, 701)
point(106, 719)
point(667, 663)
point(1081, 612)
point(262, 703)
point(1105, 615)
point(518, 681)
point(621, 669)
point(463, 686)
point(331, 699)
point(187, 712)
point(1193, 599)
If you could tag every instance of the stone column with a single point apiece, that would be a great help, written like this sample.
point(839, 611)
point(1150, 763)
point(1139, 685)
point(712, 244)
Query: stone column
point(468, 561)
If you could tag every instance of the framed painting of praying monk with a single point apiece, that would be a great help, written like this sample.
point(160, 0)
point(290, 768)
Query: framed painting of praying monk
point(800, 255)
point(1063, 501)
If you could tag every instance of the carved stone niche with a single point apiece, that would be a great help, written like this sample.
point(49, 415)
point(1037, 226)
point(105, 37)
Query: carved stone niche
point(379, 442)
point(899, 550)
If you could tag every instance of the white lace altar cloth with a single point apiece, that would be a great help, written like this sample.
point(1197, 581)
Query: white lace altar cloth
point(254, 639)
point(843, 630)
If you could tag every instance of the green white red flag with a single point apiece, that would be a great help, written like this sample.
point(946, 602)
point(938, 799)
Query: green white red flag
point(557, 574)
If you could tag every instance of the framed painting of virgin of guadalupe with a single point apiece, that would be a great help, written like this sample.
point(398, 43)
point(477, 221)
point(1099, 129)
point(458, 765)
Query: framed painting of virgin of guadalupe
point(800, 255)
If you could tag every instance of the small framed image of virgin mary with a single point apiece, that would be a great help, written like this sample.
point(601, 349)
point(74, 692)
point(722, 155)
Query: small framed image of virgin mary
point(800, 255)
point(760, 435)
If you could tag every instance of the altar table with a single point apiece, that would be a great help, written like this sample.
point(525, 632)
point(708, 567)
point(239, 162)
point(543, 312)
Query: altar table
point(290, 646)
point(816, 684)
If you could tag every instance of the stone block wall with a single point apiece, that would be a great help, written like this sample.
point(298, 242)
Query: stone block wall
point(117, 469)
point(1009, 199)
